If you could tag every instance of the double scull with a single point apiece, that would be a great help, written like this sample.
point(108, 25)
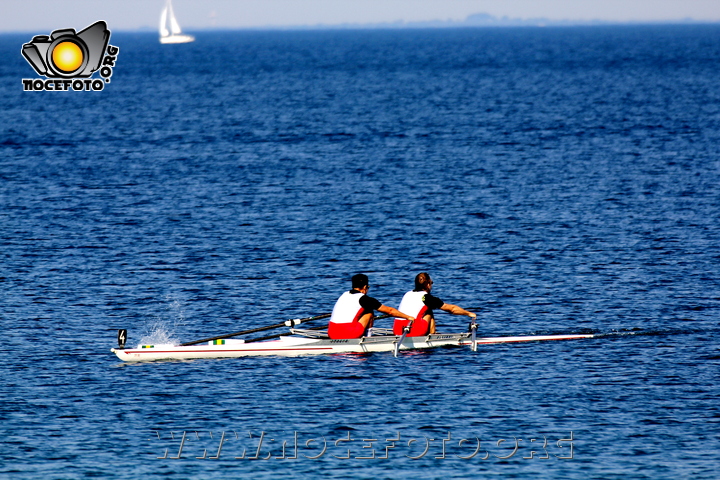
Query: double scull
point(314, 342)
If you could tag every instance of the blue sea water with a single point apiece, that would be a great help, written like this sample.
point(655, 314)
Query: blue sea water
point(557, 180)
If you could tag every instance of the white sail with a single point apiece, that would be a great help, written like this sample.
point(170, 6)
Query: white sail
point(174, 33)
point(174, 26)
point(163, 22)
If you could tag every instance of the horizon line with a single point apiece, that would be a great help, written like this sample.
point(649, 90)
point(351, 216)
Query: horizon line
point(478, 20)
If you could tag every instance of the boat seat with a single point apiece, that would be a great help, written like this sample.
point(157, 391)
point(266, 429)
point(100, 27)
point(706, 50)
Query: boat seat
point(309, 333)
point(382, 331)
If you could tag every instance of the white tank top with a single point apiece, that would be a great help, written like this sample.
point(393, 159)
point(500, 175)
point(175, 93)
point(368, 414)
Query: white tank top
point(412, 304)
point(347, 309)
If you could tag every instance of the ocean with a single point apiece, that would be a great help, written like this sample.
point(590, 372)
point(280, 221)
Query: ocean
point(552, 180)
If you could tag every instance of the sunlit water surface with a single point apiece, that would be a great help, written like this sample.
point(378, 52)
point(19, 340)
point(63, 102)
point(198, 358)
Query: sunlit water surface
point(553, 180)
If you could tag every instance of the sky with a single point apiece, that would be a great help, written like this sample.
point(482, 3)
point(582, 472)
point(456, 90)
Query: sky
point(38, 16)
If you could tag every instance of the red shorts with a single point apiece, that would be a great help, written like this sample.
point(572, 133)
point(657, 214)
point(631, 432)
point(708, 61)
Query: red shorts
point(419, 327)
point(339, 331)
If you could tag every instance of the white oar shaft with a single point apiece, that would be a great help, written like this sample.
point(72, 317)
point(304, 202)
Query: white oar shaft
point(473, 327)
point(406, 330)
point(287, 323)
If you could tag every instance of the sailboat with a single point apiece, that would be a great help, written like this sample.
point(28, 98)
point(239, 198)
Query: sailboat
point(174, 34)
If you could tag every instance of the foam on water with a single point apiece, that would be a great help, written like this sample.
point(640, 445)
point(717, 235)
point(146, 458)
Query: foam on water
point(160, 334)
point(162, 331)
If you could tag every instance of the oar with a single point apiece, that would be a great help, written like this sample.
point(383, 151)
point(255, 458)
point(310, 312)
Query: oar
point(406, 330)
point(287, 323)
point(473, 328)
point(270, 337)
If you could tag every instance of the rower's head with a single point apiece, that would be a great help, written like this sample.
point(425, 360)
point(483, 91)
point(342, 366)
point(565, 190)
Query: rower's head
point(423, 282)
point(360, 282)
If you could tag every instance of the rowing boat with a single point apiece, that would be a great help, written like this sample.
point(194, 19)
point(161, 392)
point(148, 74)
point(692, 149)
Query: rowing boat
point(312, 342)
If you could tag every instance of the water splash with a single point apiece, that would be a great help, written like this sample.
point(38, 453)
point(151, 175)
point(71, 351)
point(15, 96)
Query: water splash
point(163, 331)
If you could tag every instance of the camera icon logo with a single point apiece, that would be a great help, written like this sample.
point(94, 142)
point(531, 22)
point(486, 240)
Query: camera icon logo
point(68, 59)
point(67, 54)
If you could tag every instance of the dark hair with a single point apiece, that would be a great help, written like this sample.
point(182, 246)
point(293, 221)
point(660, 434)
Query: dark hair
point(422, 280)
point(360, 280)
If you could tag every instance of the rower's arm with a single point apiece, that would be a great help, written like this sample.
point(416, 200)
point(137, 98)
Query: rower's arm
point(394, 313)
point(455, 310)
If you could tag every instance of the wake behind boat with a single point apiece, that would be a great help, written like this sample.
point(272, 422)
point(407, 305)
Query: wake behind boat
point(314, 342)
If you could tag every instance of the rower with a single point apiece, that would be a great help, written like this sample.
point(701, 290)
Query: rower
point(421, 303)
point(353, 313)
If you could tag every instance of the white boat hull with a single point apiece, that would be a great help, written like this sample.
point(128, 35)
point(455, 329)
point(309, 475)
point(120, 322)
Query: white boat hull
point(297, 345)
point(177, 39)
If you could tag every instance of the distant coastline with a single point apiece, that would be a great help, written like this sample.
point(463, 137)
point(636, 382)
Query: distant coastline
point(477, 20)
point(483, 20)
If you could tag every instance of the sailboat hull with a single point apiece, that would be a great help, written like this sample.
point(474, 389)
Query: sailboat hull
point(177, 39)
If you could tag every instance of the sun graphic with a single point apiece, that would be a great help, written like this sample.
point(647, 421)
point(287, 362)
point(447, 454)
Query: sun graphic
point(67, 56)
